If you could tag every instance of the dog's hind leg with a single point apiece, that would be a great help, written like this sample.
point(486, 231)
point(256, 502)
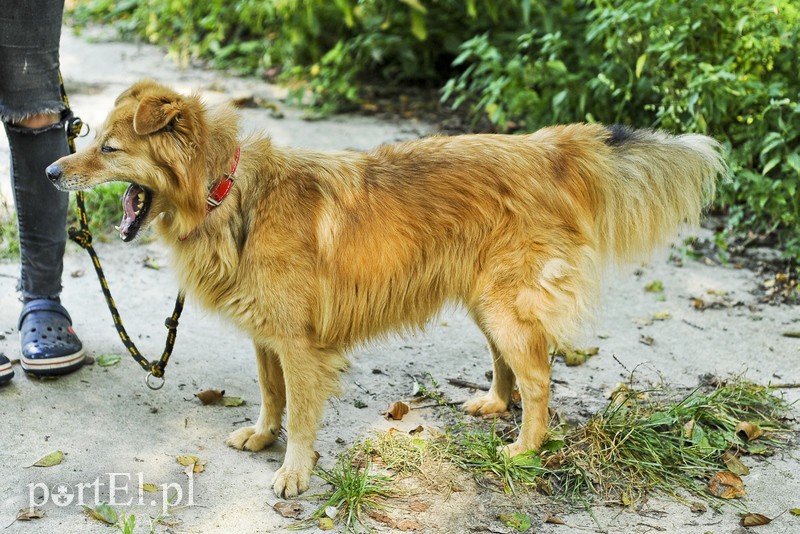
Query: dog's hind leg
point(499, 395)
point(522, 345)
point(312, 375)
point(273, 401)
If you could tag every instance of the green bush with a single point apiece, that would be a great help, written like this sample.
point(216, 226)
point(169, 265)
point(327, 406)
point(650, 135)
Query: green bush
point(728, 69)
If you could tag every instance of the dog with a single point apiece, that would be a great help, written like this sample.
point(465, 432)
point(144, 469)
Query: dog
point(312, 253)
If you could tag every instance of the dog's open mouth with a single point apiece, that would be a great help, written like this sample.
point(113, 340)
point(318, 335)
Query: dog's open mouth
point(135, 205)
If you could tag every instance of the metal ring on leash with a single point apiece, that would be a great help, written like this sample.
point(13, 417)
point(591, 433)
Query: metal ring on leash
point(154, 386)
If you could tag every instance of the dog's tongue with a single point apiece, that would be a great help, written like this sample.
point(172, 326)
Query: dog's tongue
point(129, 202)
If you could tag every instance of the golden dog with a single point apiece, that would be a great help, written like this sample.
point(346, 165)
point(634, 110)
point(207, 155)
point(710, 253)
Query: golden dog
point(314, 252)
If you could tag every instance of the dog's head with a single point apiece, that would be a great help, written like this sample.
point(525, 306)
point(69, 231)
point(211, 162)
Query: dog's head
point(156, 140)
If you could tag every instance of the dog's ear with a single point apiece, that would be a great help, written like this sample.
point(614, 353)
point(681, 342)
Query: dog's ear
point(155, 113)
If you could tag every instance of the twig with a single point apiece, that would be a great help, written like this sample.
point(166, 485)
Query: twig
point(785, 386)
point(451, 403)
point(465, 384)
point(693, 325)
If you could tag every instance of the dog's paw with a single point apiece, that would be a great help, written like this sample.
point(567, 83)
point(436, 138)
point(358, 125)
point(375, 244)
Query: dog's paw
point(290, 482)
point(514, 449)
point(485, 405)
point(247, 439)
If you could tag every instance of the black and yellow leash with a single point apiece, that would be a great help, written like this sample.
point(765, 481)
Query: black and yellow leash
point(83, 237)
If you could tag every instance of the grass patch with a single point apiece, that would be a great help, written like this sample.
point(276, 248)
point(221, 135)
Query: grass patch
point(642, 442)
point(357, 491)
point(9, 239)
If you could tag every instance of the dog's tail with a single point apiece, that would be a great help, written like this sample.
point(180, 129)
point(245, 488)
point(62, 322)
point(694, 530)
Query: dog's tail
point(653, 183)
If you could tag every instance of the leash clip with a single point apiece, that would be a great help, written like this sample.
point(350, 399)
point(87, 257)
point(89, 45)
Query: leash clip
point(155, 386)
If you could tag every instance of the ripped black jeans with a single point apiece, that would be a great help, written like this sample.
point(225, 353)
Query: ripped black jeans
point(30, 31)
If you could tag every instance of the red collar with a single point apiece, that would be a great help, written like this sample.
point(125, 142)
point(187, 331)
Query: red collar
point(221, 189)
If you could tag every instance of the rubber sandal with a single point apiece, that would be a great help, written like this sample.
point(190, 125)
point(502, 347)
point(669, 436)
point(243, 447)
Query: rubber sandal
point(6, 371)
point(49, 344)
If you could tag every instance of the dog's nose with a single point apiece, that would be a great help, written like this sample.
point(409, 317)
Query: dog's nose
point(54, 172)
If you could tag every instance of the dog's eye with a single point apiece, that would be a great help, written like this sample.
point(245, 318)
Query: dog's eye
point(108, 149)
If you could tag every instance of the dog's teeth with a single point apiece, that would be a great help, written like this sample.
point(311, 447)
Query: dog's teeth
point(116, 228)
point(141, 196)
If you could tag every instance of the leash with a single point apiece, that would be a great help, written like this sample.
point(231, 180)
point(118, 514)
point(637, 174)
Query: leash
point(83, 237)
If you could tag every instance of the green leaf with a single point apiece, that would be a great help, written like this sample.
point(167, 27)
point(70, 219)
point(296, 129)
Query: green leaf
point(656, 286)
point(553, 445)
point(640, 64)
point(416, 5)
point(770, 165)
point(232, 401)
point(102, 512)
point(54, 458)
point(519, 522)
point(418, 27)
point(325, 523)
point(107, 360)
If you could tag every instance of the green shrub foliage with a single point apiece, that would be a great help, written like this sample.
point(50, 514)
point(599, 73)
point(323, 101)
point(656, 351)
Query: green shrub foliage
point(728, 69)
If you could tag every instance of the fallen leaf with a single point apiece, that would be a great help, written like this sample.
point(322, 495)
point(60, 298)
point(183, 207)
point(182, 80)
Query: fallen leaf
point(396, 411)
point(148, 487)
point(574, 358)
point(102, 512)
point(656, 286)
point(291, 509)
point(395, 524)
point(662, 316)
point(734, 464)
point(519, 522)
point(151, 263)
point(187, 459)
point(107, 360)
point(54, 458)
point(697, 507)
point(416, 430)
point(794, 511)
point(229, 402)
point(418, 506)
point(553, 520)
point(688, 429)
point(647, 340)
point(748, 431)
point(726, 485)
point(325, 523)
point(26, 514)
point(199, 467)
point(698, 304)
point(755, 520)
point(210, 396)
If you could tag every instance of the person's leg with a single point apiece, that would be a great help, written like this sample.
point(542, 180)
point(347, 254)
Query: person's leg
point(31, 109)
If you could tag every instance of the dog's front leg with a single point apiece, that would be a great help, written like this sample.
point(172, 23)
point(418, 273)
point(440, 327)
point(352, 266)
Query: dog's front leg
point(273, 401)
point(311, 376)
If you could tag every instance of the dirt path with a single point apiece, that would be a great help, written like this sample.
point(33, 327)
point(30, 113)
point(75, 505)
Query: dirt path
point(116, 432)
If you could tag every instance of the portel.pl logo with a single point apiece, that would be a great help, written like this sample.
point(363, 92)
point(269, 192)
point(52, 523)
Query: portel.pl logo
point(116, 489)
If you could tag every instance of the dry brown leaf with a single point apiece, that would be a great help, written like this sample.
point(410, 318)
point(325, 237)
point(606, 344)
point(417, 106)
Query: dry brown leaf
point(755, 520)
point(698, 507)
point(726, 485)
point(210, 396)
point(553, 520)
point(396, 524)
point(291, 509)
point(748, 431)
point(396, 411)
point(418, 506)
point(416, 430)
point(647, 340)
point(688, 429)
point(698, 304)
point(27, 514)
point(199, 467)
point(734, 464)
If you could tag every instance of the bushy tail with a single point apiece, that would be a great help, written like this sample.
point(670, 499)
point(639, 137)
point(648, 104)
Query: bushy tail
point(653, 184)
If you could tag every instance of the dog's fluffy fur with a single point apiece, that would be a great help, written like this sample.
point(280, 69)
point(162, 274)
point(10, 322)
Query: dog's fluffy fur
point(314, 252)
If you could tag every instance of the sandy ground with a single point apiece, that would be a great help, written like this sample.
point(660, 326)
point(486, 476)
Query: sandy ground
point(117, 434)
